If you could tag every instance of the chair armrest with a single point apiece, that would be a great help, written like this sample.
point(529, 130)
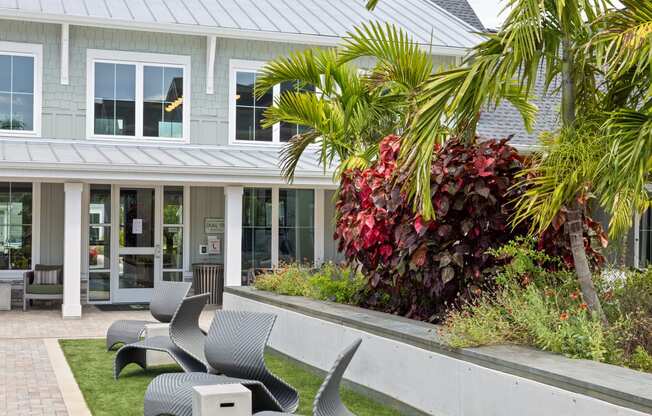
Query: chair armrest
point(28, 278)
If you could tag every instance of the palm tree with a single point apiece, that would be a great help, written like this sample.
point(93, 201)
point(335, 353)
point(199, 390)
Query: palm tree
point(537, 34)
point(345, 110)
point(624, 46)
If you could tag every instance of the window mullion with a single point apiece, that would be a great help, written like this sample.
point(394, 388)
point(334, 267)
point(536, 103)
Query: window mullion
point(276, 129)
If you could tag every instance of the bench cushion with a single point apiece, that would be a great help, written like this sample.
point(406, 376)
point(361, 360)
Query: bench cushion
point(45, 289)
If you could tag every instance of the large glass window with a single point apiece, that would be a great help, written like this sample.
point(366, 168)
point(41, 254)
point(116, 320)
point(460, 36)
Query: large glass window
point(17, 74)
point(288, 130)
point(256, 229)
point(15, 226)
point(138, 95)
point(137, 217)
point(99, 244)
point(163, 102)
point(173, 233)
point(115, 99)
point(249, 111)
point(296, 241)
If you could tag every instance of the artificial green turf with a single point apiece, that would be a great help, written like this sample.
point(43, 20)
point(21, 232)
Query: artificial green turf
point(92, 367)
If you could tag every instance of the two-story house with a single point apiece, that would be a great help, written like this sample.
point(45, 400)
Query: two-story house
point(130, 137)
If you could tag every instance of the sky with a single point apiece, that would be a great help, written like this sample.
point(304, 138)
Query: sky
point(488, 11)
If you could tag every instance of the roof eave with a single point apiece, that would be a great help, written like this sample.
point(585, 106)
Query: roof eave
point(160, 174)
point(196, 30)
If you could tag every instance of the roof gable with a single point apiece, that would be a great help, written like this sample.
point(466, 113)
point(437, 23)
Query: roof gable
point(461, 9)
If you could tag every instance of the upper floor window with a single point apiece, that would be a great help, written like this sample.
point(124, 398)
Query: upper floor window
point(287, 130)
point(20, 88)
point(246, 112)
point(138, 95)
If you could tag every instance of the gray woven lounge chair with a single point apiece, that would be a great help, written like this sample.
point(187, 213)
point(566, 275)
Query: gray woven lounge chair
point(328, 402)
point(235, 348)
point(185, 344)
point(166, 300)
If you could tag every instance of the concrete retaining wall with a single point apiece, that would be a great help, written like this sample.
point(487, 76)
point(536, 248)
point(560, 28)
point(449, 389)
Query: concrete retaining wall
point(438, 381)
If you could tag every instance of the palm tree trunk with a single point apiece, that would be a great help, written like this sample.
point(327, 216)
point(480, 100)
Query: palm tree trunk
point(574, 224)
point(574, 228)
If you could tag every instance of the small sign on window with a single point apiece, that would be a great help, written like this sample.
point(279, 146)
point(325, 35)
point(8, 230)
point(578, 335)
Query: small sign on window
point(137, 226)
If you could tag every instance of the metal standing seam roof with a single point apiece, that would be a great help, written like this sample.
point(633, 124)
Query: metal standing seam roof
point(424, 20)
point(505, 120)
point(463, 10)
point(89, 157)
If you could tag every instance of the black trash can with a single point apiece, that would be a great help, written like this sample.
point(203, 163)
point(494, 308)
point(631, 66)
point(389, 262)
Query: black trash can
point(209, 277)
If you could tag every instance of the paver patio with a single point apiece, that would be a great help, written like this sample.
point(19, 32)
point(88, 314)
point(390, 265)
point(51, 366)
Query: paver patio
point(28, 386)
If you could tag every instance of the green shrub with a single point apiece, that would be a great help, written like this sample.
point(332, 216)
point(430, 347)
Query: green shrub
point(330, 282)
point(337, 284)
point(534, 306)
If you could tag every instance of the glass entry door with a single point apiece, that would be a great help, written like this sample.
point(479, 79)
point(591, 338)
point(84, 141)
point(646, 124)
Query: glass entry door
point(138, 257)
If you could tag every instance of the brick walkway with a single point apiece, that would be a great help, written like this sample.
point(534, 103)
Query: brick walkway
point(27, 382)
point(28, 386)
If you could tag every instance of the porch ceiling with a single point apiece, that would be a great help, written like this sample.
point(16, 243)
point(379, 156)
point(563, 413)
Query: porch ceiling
point(102, 160)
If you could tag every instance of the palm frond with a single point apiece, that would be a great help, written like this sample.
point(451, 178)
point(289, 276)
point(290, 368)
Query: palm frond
point(563, 171)
point(626, 167)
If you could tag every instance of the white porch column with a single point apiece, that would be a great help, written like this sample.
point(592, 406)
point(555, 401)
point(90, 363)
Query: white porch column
point(319, 226)
point(233, 235)
point(72, 250)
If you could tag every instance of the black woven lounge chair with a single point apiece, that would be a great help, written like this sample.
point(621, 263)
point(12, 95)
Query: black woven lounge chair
point(166, 300)
point(235, 348)
point(328, 402)
point(185, 344)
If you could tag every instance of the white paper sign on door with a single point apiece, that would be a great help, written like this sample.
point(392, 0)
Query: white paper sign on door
point(137, 226)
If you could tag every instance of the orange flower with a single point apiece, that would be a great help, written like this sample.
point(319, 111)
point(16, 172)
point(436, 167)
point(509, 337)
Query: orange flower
point(564, 316)
point(584, 306)
point(574, 295)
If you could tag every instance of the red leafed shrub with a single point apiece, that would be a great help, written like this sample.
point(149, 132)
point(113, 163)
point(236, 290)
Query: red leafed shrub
point(416, 267)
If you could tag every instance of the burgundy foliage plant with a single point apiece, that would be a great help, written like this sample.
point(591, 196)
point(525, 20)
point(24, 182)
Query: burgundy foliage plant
point(415, 267)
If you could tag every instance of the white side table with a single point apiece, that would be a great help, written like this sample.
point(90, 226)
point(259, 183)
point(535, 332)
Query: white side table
point(155, 358)
point(221, 400)
point(5, 296)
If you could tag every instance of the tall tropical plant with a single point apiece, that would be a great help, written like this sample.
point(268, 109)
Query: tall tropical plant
point(624, 48)
point(539, 38)
point(345, 110)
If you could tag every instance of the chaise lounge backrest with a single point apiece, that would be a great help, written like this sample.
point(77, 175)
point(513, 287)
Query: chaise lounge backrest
point(328, 402)
point(166, 299)
point(235, 346)
point(185, 332)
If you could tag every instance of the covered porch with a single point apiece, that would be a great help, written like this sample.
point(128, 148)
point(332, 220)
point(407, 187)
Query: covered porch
point(119, 217)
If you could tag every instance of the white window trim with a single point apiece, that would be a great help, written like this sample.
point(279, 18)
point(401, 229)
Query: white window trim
point(36, 51)
point(139, 59)
point(238, 65)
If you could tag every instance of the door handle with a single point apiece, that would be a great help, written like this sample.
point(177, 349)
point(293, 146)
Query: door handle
point(158, 251)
